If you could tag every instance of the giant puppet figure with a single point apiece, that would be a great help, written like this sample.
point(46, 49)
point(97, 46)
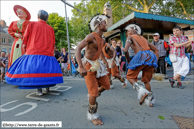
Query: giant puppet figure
point(37, 68)
point(93, 69)
point(144, 60)
point(17, 30)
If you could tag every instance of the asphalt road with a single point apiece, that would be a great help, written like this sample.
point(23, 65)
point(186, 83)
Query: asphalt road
point(118, 107)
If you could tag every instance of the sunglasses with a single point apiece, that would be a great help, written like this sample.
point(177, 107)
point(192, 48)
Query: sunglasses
point(20, 11)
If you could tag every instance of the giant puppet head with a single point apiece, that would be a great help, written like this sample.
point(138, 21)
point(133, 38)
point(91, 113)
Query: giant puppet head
point(21, 12)
point(43, 15)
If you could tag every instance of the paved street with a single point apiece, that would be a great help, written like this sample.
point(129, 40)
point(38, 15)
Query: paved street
point(118, 107)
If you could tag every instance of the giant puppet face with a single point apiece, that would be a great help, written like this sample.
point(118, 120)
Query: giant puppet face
point(21, 14)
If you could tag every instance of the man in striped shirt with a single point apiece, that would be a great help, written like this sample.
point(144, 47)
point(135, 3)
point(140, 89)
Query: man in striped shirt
point(181, 66)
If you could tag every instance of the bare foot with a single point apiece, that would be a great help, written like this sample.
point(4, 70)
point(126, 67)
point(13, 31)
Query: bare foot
point(97, 122)
point(124, 85)
point(142, 99)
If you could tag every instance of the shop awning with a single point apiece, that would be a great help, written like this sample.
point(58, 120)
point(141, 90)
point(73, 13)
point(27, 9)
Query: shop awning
point(153, 23)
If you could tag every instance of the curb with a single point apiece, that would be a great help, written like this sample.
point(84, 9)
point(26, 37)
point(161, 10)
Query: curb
point(115, 80)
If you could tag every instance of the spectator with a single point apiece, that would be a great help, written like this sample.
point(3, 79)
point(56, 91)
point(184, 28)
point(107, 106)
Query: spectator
point(114, 43)
point(3, 65)
point(57, 54)
point(65, 59)
point(192, 53)
point(118, 49)
point(7, 62)
point(162, 46)
point(181, 62)
point(119, 43)
point(187, 53)
point(167, 58)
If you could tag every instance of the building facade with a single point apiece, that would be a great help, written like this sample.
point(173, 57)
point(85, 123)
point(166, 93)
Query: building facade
point(6, 39)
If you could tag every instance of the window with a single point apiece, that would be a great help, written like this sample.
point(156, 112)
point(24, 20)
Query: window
point(3, 40)
point(4, 49)
point(10, 41)
point(9, 50)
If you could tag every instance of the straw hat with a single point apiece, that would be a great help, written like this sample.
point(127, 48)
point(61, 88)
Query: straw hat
point(24, 9)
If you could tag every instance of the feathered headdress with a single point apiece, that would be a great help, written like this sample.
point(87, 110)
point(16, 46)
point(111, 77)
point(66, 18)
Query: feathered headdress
point(99, 18)
point(134, 27)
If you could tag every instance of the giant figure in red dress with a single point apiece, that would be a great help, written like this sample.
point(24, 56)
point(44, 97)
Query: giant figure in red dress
point(16, 30)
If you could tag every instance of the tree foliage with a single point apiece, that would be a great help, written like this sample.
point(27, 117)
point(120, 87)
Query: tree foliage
point(59, 25)
point(121, 8)
point(175, 8)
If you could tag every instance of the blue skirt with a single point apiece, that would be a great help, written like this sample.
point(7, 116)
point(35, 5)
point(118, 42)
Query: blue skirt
point(34, 71)
point(143, 58)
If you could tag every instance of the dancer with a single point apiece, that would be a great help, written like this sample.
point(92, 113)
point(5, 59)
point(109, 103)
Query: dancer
point(143, 60)
point(38, 68)
point(17, 30)
point(113, 63)
point(91, 67)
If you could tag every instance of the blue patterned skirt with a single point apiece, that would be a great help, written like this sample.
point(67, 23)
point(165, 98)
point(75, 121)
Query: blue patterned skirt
point(143, 58)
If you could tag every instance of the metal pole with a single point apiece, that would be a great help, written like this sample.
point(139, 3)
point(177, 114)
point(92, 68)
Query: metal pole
point(60, 44)
point(68, 39)
point(64, 1)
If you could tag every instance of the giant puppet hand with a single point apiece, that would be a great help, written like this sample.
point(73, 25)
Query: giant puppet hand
point(24, 48)
point(82, 71)
point(18, 35)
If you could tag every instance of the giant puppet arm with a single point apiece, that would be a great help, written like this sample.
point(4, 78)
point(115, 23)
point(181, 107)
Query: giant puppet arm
point(26, 36)
point(89, 38)
point(12, 30)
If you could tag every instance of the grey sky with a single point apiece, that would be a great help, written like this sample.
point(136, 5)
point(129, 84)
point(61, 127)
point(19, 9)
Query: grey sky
point(33, 6)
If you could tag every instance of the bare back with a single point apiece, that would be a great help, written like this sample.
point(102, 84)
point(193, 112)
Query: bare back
point(136, 46)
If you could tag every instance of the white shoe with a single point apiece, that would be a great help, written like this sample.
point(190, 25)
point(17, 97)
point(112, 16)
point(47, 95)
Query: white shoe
point(111, 86)
point(39, 92)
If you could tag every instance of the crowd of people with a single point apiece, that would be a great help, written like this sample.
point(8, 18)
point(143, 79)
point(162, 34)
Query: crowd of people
point(38, 64)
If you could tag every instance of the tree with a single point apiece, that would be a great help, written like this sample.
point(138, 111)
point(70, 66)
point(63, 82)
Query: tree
point(134, 5)
point(121, 8)
point(79, 21)
point(59, 25)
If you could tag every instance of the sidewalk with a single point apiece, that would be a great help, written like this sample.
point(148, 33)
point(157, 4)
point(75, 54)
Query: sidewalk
point(169, 72)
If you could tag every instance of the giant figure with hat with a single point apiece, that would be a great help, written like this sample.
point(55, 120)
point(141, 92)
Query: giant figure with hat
point(37, 68)
point(17, 30)
point(144, 60)
point(91, 67)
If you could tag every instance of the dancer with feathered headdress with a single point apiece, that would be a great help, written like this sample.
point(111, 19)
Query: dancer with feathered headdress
point(91, 67)
point(144, 60)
